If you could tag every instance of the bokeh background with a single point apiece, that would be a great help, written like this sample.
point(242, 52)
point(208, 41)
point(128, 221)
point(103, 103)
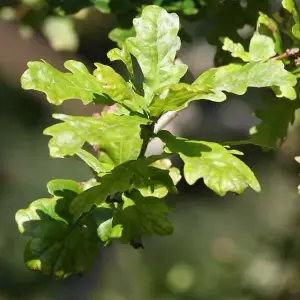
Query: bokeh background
point(223, 248)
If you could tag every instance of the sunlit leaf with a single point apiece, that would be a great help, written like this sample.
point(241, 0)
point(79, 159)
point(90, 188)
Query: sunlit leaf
point(117, 136)
point(236, 49)
point(177, 96)
point(155, 47)
point(220, 169)
point(236, 78)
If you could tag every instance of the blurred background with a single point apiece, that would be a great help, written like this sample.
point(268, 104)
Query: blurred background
point(231, 248)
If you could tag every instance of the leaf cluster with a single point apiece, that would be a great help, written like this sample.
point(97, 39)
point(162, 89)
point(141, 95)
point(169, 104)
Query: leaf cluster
point(126, 198)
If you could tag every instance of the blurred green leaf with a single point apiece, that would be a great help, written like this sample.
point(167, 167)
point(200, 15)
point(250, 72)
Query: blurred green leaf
point(220, 169)
point(61, 33)
point(276, 117)
point(58, 246)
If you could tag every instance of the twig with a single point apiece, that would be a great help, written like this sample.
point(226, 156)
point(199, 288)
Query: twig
point(287, 53)
point(165, 120)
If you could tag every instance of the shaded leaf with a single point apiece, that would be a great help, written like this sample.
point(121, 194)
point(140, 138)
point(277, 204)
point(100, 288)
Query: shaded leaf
point(124, 56)
point(220, 169)
point(276, 117)
point(137, 217)
point(58, 246)
point(120, 179)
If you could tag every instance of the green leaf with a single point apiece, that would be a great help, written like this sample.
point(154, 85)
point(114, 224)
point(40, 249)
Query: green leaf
point(236, 79)
point(236, 49)
point(177, 96)
point(118, 136)
point(118, 89)
point(93, 162)
point(137, 217)
point(262, 44)
point(59, 86)
point(124, 56)
point(80, 84)
point(270, 26)
point(58, 246)
point(276, 117)
point(154, 182)
point(102, 5)
point(220, 169)
point(155, 47)
point(166, 164)
point(291, 7)
point(120, 35)
point(119, 180)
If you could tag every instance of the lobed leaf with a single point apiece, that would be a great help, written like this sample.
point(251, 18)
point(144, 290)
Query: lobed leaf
point(291, 7)
point(138, 216)
point(276, 117)
point(236, 49)
point(177, 96)
point(80, 84)
point(155, 47)
point(236, 79)
point(220, 169)
point(58, 246)
point(120, 179)
point(118, 136)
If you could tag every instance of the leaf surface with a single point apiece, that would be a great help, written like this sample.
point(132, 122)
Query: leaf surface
point(58, 246)
point(220, 169)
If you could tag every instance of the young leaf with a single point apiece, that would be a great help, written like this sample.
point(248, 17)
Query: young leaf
point(155, 47)
point(80, 84)
point(58, 246)
point(262, 44)
point(124, 56)
point(120, 35)
point(236, 79)
point(118, 136)
point(137, 217)
point(236, 49)
point(291, 7)
point(220, 169)
point(177, 96)
point(59, 86)
point(271, 26)
point(276, 117)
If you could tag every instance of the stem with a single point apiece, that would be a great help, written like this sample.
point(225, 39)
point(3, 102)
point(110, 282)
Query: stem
point(165, 120)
